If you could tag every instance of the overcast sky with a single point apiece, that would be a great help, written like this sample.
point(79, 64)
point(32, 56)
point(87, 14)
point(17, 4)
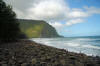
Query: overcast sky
point(69, 17)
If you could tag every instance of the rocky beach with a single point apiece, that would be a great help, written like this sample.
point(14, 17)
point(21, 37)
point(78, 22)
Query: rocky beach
point(49, 33)
point(29, 53)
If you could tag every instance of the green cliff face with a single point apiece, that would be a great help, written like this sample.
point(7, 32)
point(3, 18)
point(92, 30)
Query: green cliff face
point(37, 29)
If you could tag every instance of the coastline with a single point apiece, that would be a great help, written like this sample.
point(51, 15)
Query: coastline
point(27, 52)
point(88, 46)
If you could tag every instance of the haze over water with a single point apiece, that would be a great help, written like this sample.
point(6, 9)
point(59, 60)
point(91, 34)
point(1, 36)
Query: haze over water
point(87, 45)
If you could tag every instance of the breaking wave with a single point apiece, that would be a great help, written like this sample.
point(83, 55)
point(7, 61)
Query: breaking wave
point(89, 46)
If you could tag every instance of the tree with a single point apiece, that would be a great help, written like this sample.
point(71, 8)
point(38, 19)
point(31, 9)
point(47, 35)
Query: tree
point(9, 27)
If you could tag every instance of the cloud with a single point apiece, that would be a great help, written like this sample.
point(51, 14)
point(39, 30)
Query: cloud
point(49, 10)
point(77, 13)
point(52, 11)
point(57, 25)
point(92, 10)
point(20, 6)
point(74, 21)
point(19, 13)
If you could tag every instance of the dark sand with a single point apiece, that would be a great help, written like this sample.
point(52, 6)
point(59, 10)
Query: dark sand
point(29, 53)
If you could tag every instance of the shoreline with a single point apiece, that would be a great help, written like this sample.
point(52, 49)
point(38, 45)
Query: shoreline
point(27, 52)
point(88, 46)
point(80, 52)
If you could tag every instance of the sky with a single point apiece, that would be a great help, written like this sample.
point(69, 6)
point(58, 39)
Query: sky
point(69, 17)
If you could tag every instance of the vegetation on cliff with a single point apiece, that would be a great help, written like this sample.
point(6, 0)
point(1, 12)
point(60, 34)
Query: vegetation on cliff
point(37, 29)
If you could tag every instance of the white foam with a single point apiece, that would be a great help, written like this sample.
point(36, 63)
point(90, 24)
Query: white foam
point(72, 44)
point(87, 39)
point(75, 45)
point(91, 46)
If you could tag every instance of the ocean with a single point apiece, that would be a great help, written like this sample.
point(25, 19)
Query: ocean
point(87, 45)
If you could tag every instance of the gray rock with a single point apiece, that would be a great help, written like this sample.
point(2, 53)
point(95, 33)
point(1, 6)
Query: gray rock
point(4, 65)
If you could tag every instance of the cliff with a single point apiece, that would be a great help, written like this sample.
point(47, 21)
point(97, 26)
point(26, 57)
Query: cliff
point(37, 29)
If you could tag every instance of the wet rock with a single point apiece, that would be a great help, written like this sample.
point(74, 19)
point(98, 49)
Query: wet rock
point(34, 61)
point(43, 64)
point(4, 65)
point(72, 58)
point(38, 64)
point(24, 64)
point(26, 53)
point(90, 64)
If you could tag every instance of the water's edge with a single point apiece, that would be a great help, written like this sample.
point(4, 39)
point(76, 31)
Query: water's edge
point(88, 46)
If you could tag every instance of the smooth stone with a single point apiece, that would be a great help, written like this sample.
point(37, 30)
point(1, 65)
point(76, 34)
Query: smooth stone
point(4, 65)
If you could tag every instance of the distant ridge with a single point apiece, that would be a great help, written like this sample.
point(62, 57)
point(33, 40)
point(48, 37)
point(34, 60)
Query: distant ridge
point(36, 29)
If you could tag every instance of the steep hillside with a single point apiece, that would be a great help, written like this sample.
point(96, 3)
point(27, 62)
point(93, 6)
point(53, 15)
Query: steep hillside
point(37, 29)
